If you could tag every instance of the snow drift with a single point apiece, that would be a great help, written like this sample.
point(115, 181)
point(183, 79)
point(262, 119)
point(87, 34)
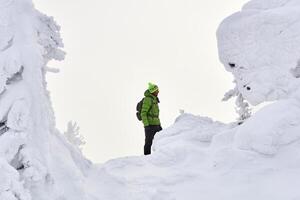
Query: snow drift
point(187, 164)
point(196, 158)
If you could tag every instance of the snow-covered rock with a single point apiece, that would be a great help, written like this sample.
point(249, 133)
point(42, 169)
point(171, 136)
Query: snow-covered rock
point(260, 46)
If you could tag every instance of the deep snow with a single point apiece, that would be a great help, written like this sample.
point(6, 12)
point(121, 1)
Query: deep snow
point(196, 158)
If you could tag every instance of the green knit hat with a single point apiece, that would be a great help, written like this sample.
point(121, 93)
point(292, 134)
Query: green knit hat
point(152, 87)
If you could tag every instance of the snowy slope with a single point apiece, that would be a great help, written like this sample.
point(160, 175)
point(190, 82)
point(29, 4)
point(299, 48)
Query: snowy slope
point(196, 158)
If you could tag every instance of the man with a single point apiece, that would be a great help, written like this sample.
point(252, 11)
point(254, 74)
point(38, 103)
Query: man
point(150, 116)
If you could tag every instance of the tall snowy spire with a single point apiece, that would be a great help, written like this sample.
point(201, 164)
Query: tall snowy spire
point(35, 159)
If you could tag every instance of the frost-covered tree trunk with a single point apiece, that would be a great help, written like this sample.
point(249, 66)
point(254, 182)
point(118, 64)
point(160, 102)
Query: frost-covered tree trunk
point(35, 159)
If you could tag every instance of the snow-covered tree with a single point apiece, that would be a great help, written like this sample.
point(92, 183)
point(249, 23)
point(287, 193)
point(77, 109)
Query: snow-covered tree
point(35, 158)
point(73, 136)
point(242, 107)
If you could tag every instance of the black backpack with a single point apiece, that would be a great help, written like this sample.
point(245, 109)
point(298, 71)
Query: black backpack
point(139, 109)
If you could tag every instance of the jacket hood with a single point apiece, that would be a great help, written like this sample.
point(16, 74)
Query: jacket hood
point(148, 94)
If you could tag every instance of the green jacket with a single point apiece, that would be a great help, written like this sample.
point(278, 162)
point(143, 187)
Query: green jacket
point(150, 110)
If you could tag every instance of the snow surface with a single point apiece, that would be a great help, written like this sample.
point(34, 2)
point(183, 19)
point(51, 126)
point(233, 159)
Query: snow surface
point(196, 158)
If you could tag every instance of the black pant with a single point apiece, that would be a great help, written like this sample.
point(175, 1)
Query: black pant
point(150, 132)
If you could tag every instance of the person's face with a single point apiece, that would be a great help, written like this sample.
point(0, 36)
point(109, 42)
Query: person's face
point(156, 93)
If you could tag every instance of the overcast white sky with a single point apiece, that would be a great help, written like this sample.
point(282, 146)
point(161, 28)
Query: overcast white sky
point(115, 47)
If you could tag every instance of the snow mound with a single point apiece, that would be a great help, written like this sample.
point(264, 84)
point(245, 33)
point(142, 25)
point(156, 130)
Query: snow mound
point(260, 46)
point(271, 128)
